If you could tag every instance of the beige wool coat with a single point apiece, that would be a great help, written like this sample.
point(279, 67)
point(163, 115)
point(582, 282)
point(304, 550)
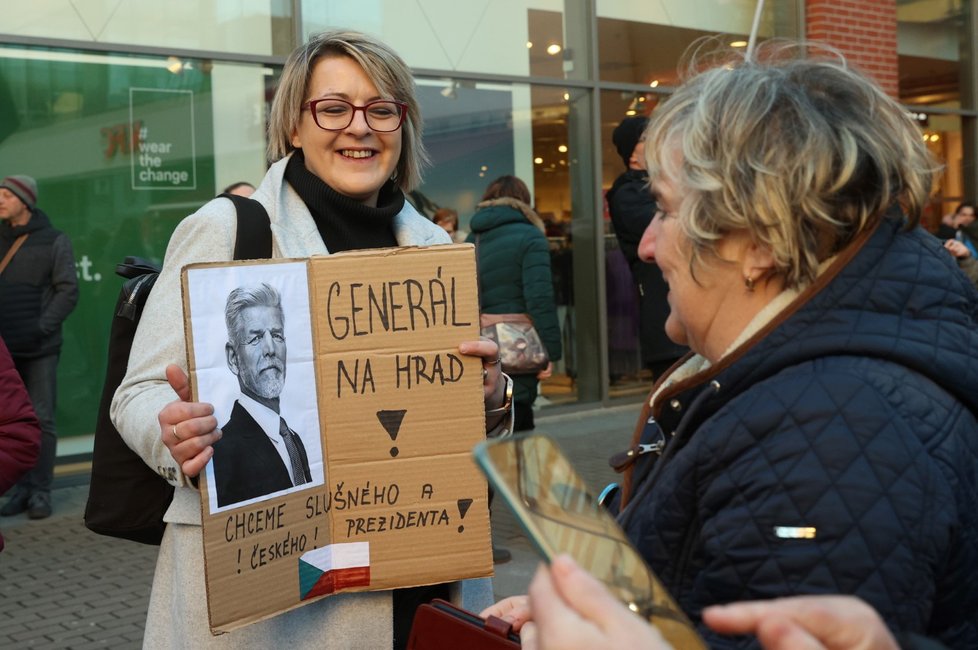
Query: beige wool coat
point(177, 616)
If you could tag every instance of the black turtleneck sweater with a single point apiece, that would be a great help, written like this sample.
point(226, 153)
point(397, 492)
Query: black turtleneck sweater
point(346, 224)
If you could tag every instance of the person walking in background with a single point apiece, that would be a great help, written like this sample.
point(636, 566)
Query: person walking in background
point(964, 214)
point(448, 220)
point(38, 289)
point(632, 206)
point(960, 235)
point(515, 277)
point(965, 227)
point(20, 433)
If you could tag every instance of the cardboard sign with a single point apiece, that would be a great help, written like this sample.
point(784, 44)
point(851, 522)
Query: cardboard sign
point(348, 419)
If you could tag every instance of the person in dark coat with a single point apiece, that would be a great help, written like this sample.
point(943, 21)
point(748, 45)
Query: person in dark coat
point(515, 277)
point(20, 433)
point(631, 207)
point(822, 436)
point(38, 290)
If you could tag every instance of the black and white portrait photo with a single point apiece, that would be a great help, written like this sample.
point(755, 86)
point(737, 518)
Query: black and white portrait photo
point(253, 357)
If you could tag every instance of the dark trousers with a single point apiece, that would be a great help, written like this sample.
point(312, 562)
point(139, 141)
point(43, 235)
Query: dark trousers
point(40, 376)
point(522, 415)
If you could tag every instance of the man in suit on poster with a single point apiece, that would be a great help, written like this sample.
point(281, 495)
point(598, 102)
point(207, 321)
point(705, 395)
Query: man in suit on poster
point(258, 453)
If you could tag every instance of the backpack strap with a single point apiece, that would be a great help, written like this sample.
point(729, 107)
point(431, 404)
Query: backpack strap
point(254, 238)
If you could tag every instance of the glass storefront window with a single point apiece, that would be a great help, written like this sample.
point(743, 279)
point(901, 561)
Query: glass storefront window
point(935, 77)
point(122, 148)
point(477, 132)
point(241, 27)
point(627, 374)
point(642, 42)
point(536, 38)
point(932, 43)
point(943, 136)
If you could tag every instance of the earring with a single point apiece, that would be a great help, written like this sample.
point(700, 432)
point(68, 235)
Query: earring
point(749, 283)
point(394, 176)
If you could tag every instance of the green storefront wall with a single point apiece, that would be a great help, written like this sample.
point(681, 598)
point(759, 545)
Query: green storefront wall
point(122, 149)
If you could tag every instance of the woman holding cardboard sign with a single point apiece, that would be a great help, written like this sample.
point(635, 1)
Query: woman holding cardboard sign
point(346, 133)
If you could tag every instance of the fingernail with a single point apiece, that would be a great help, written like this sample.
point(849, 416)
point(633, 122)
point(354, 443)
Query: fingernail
point(563, 564)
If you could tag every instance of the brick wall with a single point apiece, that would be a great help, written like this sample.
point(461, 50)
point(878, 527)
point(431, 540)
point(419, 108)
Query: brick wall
point(863, 30)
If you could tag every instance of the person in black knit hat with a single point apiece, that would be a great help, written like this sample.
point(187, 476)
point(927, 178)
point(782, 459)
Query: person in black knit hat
point(632, 208)
point(38, 289)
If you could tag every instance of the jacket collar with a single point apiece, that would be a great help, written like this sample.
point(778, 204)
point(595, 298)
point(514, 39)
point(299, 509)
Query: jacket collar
point(38, 221)
point(518, 206)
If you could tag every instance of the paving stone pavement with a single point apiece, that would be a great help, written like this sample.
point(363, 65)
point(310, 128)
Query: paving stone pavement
point(62, 586)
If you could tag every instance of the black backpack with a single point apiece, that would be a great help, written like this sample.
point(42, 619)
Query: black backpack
point(127, 499)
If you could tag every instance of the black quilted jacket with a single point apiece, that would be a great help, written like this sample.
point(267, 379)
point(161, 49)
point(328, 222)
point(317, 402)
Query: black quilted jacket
point(38, 289)
point(852, 419)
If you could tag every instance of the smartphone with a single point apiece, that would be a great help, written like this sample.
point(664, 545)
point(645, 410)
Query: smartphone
point(560, 515)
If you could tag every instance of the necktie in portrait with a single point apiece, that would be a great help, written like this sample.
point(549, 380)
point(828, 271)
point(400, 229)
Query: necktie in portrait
point(297, 455)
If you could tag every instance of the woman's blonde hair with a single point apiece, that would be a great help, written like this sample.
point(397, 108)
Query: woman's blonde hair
point(385, 69)
point(801, 153)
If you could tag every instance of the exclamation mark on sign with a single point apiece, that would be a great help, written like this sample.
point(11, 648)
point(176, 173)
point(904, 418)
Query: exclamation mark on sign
point(463, 507)
point(391, 421)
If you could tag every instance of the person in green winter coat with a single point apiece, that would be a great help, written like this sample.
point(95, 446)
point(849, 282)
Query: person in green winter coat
point(515, 277)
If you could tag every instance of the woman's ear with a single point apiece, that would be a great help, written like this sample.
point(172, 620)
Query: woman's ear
point(758, 262)
point(758, 258)
point(295, 140)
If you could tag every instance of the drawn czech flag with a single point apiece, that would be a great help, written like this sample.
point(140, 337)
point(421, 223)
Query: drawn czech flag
point(332, 568)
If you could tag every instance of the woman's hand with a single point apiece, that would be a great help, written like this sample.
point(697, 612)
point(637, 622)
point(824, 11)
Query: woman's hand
point(514, 610)
point(805, 623)
point(547, 372)
point(493, 384)
point(188, 429)
point(572, 610)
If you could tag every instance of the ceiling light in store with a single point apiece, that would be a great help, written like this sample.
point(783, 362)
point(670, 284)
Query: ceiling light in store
point(562, 148)
point(538, 160)
point(529, 44)
point(641, 98)
point(448, 91)
point(654, 83)
point(934, 137)
point(738, 44)
point(553, 49)
point(484, 168)
point(174, 64)
point(566, 96)
point(630, 112)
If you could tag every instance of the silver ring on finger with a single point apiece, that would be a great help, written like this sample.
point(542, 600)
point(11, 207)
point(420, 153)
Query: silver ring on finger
point(178, 438)
point(485, 374)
